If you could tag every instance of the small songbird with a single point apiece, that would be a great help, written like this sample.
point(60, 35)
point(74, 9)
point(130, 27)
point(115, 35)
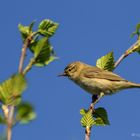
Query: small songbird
point(95, 80)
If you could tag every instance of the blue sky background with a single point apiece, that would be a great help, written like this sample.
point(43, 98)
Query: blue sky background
point(88, 30)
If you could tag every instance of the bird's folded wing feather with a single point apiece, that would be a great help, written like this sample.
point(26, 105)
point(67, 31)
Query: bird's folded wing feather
point(101, 74)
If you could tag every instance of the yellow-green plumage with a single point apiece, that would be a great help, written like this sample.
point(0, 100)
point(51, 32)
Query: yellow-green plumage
point(95, 80)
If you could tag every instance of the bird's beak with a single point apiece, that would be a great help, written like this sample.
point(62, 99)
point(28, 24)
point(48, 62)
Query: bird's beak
point(62, 74)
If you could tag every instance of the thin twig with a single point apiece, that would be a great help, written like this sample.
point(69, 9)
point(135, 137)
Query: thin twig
point(95, 100)
point(24, 48)
point(29, 66)
point(120, 60)
point(130, 50)
point(10, 122)
point(87, 133)
point(23, 54)
point(20, 70)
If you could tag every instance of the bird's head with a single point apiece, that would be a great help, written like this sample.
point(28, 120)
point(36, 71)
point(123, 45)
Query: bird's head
point(72, 70)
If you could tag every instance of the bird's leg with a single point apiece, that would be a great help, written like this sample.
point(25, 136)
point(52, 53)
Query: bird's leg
point(95, 99)
point(98, 97)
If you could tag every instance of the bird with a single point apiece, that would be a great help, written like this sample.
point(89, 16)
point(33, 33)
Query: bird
point(95, 80)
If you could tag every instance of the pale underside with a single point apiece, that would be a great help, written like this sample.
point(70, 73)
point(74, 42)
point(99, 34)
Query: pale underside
point(97, 81)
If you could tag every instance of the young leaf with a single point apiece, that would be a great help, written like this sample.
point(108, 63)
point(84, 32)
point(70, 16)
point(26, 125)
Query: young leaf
point(106, 62)
point(138, 52)
point(2, 119)
point(18, 83)
point(83, 111)
point(87, 120)
point(99, 122)
point(39, 46)
point(50, 59)
point(137, 32)
point(25, 30)
point(134, 48)
point(31, 26)
point(47, 28)
point(43, 52)
point(101, 115)
point(11, 89)
point(25, 113)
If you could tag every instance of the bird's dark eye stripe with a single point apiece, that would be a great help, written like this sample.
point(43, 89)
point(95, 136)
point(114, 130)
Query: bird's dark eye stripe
point(67, 68)
point(70, 67)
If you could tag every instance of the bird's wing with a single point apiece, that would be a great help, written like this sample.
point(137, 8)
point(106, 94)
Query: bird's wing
point(95, 72)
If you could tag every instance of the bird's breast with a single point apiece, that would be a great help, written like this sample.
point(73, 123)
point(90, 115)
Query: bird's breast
point(89, 85)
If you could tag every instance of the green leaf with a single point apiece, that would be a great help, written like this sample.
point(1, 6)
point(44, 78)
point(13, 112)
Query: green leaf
point(25, 30)
point(43, 52)
point(138, 27)
point(25, 113)
point(31, 26)
point(99, 122)
point(102, 117)
point(41, 63)
point(133, 34)
point(138, 52)
point(2, 119)
point(106, 62)
point(11, 89)
point(47, 28)
point(87, 120)
point(83, 111)
point(134, 48)
point(137, 32)
point(39, 46)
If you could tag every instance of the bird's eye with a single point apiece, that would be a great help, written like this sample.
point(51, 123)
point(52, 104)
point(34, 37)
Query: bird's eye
point(70, 68)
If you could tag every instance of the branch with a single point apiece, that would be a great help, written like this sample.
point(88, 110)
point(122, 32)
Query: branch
point(23, 54)
point(95, 100)
point(20, 70)
point(29, 66)
point(87, 133)
point(134, 48)
point(130, 50)
point(10, 122)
